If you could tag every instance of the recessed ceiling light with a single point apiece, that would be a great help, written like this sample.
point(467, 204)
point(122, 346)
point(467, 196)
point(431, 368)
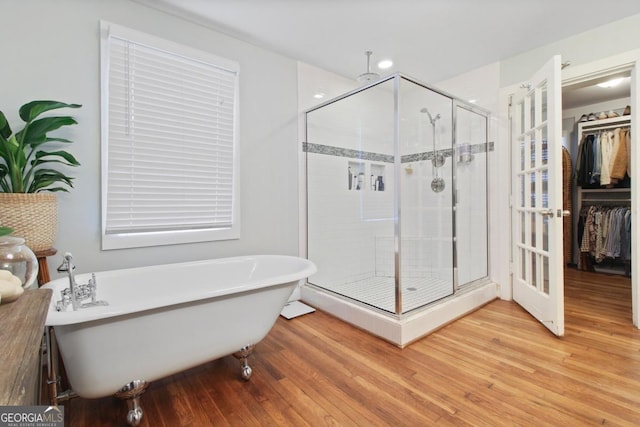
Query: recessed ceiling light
point(473, 101)
point(611, 83)
point(385, 63)
point(319, 95)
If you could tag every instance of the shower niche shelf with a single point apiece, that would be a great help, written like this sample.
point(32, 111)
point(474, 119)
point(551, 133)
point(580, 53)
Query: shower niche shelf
point(356, 176)
point(359, 178)
point(377, 177)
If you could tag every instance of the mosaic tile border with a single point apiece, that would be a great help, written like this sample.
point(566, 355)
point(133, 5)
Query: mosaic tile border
point(346, 152)
point(329, 150)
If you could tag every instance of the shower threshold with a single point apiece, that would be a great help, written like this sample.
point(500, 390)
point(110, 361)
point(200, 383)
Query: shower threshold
point(401, 330)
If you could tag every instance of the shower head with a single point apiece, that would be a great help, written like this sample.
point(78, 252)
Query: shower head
point(431, 118)
point(368, 76)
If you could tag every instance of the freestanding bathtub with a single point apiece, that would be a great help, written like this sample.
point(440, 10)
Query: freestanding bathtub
point(168, 318)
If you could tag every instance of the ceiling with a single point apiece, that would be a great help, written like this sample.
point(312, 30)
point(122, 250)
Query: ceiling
point(430, 40)
point(590, 93)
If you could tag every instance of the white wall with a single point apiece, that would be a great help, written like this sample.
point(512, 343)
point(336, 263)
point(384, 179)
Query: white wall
point(591, 45)
point(50, 50)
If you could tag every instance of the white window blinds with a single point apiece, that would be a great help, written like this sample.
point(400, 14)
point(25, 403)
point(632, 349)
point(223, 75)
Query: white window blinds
point(171, 141)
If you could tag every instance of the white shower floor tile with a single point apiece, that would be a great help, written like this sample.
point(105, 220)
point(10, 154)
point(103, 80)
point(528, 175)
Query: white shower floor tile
point(380, 291)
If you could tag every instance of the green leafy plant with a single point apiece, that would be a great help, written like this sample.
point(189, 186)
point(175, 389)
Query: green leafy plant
point(4, 231)
point(25, 165)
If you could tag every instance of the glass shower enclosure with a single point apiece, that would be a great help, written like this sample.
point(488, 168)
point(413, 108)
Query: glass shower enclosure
point(396, 177)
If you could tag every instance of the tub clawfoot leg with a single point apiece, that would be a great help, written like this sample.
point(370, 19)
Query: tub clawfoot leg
point(131, 393)
point(242, 356)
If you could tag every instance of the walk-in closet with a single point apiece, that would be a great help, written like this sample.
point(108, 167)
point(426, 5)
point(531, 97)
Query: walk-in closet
point(597, 141)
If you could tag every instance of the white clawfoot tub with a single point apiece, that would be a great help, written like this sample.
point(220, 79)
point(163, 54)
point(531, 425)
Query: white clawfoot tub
point(168, 318)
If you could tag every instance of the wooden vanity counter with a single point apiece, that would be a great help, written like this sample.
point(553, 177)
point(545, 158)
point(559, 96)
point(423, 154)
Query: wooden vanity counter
point(21, 331)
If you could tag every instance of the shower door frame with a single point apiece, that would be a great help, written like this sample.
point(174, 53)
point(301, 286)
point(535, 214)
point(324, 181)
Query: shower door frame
point(487, 115)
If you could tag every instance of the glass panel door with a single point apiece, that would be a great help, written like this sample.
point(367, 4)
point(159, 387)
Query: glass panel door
point(537, 198)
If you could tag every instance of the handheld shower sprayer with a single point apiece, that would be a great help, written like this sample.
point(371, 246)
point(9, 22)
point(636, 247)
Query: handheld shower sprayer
point(437, 159)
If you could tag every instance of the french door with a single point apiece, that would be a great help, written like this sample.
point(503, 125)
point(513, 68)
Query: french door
point(536, 205)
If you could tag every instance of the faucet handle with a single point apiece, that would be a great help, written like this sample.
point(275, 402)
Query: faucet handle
point(63, 267)
point(66, 262)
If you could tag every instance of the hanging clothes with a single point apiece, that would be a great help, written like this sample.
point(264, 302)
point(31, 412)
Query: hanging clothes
point(619, 164)
point(628, 145)
point(605, 233)
point(567, 196)
point(585, 161)
point(597, 161)
point(606, 145)
point(604, 158)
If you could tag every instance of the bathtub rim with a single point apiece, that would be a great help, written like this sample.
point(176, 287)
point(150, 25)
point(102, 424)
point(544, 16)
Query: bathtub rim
point(304, 269)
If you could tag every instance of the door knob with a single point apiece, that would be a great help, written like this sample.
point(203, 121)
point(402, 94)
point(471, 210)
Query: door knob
point(546, 212)
point(561, 212)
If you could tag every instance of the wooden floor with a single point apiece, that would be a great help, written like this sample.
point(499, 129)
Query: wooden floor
point(494, 367)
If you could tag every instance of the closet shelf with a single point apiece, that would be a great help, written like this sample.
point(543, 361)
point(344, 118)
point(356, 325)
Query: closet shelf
point(604, 124)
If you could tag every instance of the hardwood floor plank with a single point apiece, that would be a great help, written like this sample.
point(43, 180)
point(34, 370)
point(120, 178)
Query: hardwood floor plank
point(494, 367)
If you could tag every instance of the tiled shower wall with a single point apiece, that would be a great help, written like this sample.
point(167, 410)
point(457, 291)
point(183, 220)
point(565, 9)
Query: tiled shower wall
point(345, 222)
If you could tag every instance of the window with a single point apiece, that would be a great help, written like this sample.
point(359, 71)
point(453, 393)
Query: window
point(169, 132)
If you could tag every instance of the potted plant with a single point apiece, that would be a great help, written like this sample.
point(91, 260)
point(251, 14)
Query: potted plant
point(30, 172)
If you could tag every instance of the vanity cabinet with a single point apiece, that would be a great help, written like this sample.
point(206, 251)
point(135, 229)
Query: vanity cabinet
point(21, 332)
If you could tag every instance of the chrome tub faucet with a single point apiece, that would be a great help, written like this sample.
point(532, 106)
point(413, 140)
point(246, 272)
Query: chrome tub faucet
point(75, 294)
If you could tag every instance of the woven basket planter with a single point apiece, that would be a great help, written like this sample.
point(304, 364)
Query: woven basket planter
point(33, 216)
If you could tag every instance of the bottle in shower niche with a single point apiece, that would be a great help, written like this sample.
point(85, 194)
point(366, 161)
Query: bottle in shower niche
point(355, 172)
point(377, 177)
